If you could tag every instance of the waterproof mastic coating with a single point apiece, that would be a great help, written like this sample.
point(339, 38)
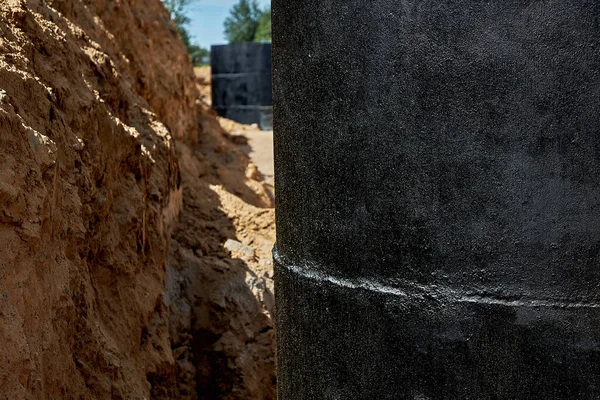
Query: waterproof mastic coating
point(438, 199)
point(241, 83)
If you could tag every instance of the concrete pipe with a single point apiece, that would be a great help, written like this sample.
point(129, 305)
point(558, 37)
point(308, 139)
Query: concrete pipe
point(438, 199)
point(241, 83)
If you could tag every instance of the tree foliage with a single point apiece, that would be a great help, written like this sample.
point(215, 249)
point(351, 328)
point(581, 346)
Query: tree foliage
point(248, 23)
point(263, 32)
point(176, 9)
point(198, 55)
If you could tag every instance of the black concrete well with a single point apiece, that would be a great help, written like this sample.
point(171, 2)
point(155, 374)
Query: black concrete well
point(242, 83)
point(438, 199)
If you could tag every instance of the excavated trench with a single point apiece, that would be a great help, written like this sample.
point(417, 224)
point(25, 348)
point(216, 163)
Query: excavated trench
point(119, 192)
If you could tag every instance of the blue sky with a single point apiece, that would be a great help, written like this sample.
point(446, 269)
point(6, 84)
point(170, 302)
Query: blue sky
point(207, 17)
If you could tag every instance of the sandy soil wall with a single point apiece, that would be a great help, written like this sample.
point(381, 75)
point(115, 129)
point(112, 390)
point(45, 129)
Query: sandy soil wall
point(118, 192)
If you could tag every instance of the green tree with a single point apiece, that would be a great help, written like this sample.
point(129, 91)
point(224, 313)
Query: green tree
point(263, 31)
point(248, 23)
point(199, 55)
point(176, 9)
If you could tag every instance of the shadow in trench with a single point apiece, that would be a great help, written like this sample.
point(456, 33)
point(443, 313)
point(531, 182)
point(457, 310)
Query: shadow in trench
point(220, 305)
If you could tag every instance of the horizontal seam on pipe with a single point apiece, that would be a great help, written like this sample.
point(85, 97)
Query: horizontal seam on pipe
point(431, 292)
point(245, 107)
point(238, 74)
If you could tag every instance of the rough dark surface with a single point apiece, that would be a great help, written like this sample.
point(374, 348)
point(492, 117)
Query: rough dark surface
point(241, 83)
point(438, 199)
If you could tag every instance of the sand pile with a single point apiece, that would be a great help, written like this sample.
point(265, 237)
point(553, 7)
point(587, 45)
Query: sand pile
point(203, 84)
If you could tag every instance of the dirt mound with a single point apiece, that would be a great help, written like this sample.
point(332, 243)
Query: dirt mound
point(97, 219)
point(203, 84)
point(220, 300)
